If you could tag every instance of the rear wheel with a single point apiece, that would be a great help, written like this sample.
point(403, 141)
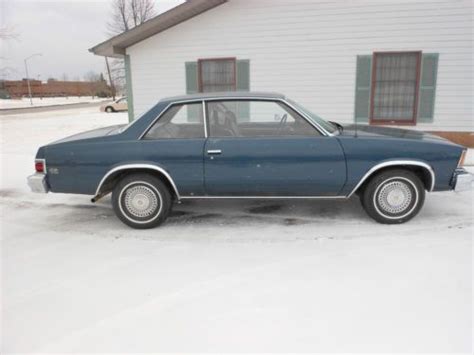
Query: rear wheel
point(141, 201)
point(393, 196)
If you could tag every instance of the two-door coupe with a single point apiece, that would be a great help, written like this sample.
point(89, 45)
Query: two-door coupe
point(248, 145)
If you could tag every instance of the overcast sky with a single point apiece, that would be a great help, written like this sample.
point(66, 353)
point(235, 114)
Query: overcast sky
point(62, 30)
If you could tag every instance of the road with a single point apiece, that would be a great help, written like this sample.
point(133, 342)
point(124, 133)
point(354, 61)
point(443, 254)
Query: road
point(37, 109)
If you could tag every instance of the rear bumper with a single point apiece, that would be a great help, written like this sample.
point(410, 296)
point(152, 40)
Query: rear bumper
point(37, 183)
point(462, 180)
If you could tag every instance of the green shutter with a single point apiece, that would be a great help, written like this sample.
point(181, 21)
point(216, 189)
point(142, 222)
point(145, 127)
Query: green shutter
point(243, 84)
point(427, 93)
point(192, 88)
point(243, 75)
point(191, 78)
point(362, 89)
point(128, 83)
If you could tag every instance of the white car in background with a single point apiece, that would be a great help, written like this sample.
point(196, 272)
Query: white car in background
point(115, 106)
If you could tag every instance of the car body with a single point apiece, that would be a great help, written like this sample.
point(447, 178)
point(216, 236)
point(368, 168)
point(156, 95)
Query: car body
point(115, 106)
point(252, 146)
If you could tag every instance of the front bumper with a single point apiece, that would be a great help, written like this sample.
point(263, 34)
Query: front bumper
point(462, 180)
point(37, 183)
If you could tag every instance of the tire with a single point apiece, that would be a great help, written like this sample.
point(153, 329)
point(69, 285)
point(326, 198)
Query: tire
point(109, 109)
point(141, 201)
point(393, 196)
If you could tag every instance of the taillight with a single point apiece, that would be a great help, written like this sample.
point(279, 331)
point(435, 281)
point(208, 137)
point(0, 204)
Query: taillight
point(39, 166)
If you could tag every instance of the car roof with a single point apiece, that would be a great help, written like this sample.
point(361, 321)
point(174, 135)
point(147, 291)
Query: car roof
point(223, 95)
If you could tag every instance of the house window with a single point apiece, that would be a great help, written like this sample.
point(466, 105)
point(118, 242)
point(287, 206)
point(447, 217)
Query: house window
point(395, 84)
point(217, 74)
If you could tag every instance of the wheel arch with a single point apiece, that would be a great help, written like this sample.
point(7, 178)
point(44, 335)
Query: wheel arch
point(424, 171)
point(109, 180)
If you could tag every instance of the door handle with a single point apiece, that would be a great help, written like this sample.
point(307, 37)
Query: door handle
point(214, 152)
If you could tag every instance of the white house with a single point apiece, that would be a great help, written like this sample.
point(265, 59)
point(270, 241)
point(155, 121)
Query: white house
point(401, 63)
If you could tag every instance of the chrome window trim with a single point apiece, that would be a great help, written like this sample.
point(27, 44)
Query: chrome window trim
point(234, 98)
point(204, 117)
point(137, 166)
point(395, 163)
point(262, 197)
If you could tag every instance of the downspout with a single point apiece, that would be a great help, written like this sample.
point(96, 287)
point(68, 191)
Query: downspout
point(128, 83)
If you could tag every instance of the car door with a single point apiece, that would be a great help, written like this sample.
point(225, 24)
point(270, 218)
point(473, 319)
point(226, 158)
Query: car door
point(175, 143)
point(264, 148)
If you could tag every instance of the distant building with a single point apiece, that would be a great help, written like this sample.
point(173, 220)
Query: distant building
point(19, 88)
point(398, 63)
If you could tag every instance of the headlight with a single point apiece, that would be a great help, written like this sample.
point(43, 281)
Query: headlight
point(462, 159)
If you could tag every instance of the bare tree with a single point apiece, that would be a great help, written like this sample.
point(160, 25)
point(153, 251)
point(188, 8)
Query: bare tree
point(91, 76)
point(126, 14)
point(6, 33)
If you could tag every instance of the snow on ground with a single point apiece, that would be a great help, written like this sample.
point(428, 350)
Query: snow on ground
point(47, 101)
point(221, 276)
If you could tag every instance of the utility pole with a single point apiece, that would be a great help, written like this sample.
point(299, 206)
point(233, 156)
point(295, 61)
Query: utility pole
point(112, 86)
point(28, 77)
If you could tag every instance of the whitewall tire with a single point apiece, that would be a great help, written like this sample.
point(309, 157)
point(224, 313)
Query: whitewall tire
point(393, 196)
point(141, 201)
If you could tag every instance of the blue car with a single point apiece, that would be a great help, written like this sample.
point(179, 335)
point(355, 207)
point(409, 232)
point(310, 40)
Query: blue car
point(243, 145)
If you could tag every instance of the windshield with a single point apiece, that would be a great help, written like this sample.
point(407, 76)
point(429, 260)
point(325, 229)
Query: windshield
point(331, 128)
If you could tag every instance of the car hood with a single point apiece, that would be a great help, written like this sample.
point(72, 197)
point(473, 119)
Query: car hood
point(388, 132)
point(95, 133)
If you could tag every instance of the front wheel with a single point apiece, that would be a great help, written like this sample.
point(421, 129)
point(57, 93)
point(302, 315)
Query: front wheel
point(109, 109)
point(141, 201)
point(393, 196)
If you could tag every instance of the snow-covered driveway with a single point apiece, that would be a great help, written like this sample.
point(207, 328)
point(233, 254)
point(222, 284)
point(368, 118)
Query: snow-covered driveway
point(223, 275)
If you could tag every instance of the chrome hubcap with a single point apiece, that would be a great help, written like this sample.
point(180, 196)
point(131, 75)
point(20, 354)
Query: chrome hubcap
point(141, 201)
point(395, 197)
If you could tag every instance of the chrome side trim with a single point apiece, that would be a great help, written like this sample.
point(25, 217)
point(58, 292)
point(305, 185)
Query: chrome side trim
point(262, 197)
point(137, 166)
point(395, 163)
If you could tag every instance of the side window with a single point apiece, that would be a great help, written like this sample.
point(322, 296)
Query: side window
point(177, 123)
point(265, 119)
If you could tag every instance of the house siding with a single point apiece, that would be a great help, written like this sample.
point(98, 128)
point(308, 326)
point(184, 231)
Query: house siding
point(308, 50)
